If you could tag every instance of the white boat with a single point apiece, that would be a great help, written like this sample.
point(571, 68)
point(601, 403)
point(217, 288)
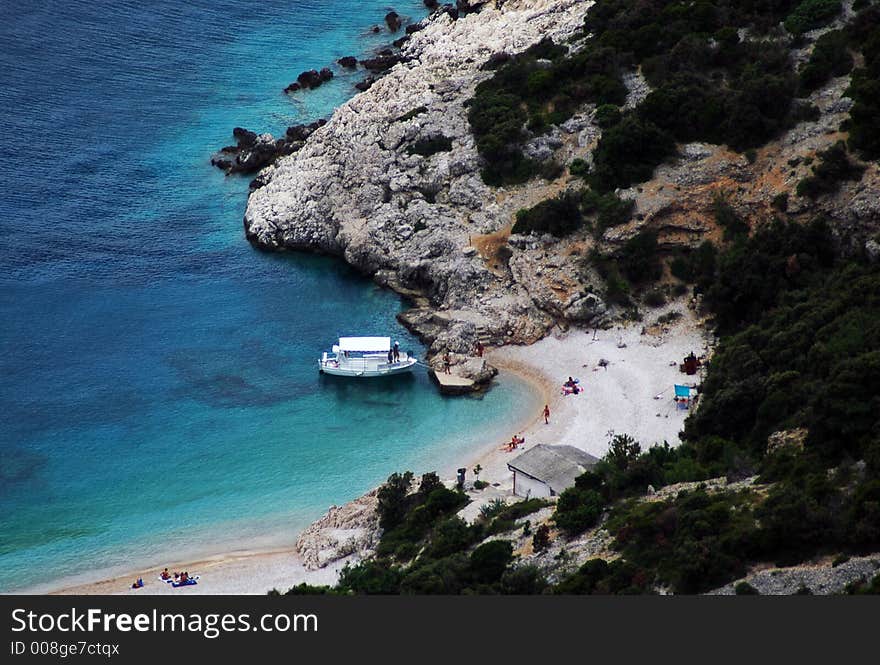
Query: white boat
point(365, 357)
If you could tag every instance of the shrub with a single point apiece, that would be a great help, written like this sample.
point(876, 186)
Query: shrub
point(834, 167)
point(597, 576)
point(610, 209)
point(523, 580)
point(392, 499)
point(369, 577)
point(811, 14)
point(780, 202)
point(430, 146)
point(577, 510)
point(558, 216)
point(745, 589)
point(830, 57)
point(489, 561)
point(493, 508)
point(541, 539)
point(655, 298)
point(628, 153)
point(579, 168)
point(608, 115)
point(638, 258)
point(728, 219)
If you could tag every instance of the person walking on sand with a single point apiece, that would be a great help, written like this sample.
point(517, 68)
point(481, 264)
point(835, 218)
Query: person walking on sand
point(546, 414)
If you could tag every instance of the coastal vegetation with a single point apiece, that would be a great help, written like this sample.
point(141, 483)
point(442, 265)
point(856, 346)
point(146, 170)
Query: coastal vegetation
point(708, 83)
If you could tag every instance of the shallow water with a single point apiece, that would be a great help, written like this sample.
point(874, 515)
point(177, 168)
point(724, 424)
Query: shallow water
point(159, 396)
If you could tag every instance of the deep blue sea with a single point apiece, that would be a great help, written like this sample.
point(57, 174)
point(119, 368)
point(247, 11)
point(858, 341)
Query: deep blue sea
point(158, 391)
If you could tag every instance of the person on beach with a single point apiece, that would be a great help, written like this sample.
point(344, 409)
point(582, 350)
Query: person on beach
point(479, 349)
point(546, 414)
point(165, 575)
point(446, 362)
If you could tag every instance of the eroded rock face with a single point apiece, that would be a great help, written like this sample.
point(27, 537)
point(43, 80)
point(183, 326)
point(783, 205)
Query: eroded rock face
point(343, 531)
point(353, 190)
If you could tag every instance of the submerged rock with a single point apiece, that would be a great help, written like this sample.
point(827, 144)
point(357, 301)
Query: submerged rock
point(392, 20)
point(382, 62)
point(311, 78)
point(254, 152)
point(348, 61)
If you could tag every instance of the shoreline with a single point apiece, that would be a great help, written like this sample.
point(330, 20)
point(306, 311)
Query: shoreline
point(640, 366)
point(277, 563)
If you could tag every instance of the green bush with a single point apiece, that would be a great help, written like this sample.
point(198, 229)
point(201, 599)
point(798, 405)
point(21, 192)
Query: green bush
point(392, 500)
point(830, 57)
point(608, 115)
point(638, 259)
point(780, 202)
point(541, 539)
point(489, 561)
point(558, 216)
point(577, 510)
point(597, 576)
point(834, 167)
point(523, 580)
point(610, 209)
point(812, 14)
point(430, 146)
point(369, 577)
point(745, 589)
point(579, 168)
point(693, 543)
point(655, 298)
point(628, 153)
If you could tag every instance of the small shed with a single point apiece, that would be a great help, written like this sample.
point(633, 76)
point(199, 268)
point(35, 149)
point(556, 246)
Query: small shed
point(546, 471)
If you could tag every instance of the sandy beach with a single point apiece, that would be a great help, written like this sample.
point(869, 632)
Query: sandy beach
point(630, 392)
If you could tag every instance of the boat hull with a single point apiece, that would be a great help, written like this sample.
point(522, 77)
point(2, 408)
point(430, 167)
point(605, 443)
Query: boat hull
point(368, 372)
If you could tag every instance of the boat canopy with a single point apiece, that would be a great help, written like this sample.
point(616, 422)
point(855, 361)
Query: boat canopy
point(365, 344)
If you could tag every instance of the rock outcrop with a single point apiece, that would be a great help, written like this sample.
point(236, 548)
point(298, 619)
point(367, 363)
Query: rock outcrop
point(426, 226)
point(352, 529)
point(252, 152)
point(311, 79)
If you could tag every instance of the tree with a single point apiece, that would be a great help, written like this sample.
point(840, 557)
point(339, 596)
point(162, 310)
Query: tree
point(623, 450)
point(489, 560)
point(392, 500)
point(541, 539)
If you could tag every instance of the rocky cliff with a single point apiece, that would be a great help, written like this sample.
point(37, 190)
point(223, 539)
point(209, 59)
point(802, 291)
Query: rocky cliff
point(392, 184)
point(425, 224)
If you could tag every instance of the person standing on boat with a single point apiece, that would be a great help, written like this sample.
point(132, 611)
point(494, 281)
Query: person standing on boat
point(390, 356)
point(396, 352)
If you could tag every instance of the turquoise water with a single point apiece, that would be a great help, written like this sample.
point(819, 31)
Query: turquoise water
point(159, 398)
